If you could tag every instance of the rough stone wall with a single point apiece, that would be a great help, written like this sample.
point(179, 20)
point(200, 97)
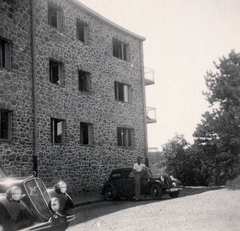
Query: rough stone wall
point(83, 167)
point(16, 87)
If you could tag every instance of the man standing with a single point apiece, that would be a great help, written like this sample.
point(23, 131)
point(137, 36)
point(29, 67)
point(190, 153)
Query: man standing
point(137, 169)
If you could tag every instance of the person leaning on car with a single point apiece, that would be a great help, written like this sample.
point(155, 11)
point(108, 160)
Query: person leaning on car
point(137, 169)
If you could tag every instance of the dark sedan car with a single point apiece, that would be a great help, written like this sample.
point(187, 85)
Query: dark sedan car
point(121, 185)
point(26, 204)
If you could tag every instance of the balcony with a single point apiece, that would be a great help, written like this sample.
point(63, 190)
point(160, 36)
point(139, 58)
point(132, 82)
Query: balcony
point(151, 115)
point(149, 76)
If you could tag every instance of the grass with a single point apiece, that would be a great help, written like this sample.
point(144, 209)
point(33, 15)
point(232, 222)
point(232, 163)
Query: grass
point(234, 184)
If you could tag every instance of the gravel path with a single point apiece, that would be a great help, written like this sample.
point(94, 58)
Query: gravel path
point(213, 210)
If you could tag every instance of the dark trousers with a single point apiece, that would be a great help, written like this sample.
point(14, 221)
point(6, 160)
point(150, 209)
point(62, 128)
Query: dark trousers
point(137, 178)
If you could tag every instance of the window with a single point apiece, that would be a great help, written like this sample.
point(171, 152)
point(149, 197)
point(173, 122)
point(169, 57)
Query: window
point(55, 16)
point(57, 131)
point(83, 81)
point(120, 50)
point(5, 54)
point(82, 31)
point(86, 133)
point(55, 72)
point(125, 137)
point(122, 92)
point(5, 124)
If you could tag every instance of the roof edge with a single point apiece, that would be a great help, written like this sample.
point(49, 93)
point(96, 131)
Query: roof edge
point(108, 21)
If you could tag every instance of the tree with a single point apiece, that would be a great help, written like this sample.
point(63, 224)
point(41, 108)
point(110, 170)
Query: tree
point(174, 154)
point(219, 133)
point(184, 161)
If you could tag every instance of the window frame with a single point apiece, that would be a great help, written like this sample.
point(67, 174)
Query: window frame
point(58, 11)
point(84, 81)
point(8, 128)
point(5, 53)
point(86, 129)
point(125, 137)
point(82, 31)
point(55, 129)
point(58, 80)
point(121, 50)
point(122, 92)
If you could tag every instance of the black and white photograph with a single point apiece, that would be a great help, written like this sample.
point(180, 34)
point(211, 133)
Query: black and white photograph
point(119, 115)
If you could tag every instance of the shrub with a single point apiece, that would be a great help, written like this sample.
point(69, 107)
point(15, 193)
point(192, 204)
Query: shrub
point(234, 184)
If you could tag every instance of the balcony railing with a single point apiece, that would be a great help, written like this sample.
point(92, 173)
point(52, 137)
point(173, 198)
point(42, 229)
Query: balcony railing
point(149, 76)
point(151, 115)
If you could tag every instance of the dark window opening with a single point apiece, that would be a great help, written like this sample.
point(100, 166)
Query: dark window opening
point(125, 137)
point(120, 50)
point(57, 131)
point(85, 133)
point(5, 54)
point(82, 31)
point(55, 72)
point(55, 16)
point(5, 124)
point(122, 92)
point(83, 81)
point(52, 13)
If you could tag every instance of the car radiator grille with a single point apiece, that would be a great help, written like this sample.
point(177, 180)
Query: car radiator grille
point(38, 196)
point(167, 181)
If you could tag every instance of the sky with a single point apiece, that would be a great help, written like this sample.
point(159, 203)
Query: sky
point(183, 39)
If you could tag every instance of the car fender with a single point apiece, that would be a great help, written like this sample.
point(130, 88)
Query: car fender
point(158, 182)
point(111, 185)
point(115, 192)
point(66, 203)
point(12, 211)
point(104, 186)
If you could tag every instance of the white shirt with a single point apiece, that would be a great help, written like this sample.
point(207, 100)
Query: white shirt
point(138, 167)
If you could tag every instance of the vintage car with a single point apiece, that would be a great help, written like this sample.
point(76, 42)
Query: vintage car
point(26, 204)
point(121, 185)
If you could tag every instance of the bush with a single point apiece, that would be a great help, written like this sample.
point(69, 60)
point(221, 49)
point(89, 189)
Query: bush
point(234, 184)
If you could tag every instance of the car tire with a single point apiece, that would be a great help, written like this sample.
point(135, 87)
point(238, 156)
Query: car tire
point(156, 192)
point(110, 193)
point(174, 194)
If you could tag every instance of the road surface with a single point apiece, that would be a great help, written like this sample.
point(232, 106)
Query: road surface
point(209, 211)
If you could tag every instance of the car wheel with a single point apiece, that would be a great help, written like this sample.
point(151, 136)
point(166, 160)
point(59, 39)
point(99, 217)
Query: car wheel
point(174, 194)
point(156, 192)
point(109, 193)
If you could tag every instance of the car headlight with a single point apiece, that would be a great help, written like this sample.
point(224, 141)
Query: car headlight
point(174, 184)
point(14, 193)
point(61, 187)
point(55, 204)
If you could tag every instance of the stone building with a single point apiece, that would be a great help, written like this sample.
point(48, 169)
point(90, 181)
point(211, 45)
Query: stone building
point(72, 93)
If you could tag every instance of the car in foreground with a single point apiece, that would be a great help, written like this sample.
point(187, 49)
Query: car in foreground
point(120, 184)
point(26, 204)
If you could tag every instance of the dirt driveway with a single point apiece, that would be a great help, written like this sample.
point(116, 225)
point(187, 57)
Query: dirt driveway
point(212, 210)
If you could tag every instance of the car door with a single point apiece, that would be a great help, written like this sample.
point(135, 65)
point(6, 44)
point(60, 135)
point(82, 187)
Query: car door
point(127, 188)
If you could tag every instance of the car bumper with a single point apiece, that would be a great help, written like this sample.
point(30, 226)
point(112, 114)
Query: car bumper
point(54, 221)
point(173, 189)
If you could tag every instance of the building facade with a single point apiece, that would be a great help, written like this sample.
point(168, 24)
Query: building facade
point(72, 93)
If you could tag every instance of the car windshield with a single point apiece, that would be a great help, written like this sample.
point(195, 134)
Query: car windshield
point(2, 174)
